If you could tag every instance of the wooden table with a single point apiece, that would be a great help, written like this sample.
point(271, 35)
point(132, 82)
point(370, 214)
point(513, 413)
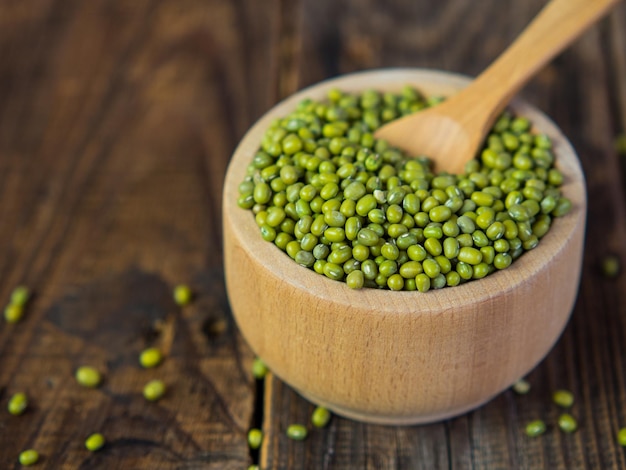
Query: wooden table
point(117, 120)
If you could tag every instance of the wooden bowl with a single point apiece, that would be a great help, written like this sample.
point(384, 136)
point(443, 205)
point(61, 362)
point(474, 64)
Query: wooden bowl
point(401, 357)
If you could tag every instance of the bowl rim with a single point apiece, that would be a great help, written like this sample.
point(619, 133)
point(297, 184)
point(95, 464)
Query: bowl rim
point(286, 271)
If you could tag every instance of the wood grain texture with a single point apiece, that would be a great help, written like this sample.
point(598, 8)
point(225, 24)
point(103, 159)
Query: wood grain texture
point(117, 119)
point(116, 123)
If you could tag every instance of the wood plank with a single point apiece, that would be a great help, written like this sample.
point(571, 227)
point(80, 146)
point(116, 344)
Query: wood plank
point(117, 120)
point(579, 90)
point(338, 445)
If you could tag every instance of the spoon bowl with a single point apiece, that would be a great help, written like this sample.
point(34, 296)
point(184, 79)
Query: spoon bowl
point(401, 357)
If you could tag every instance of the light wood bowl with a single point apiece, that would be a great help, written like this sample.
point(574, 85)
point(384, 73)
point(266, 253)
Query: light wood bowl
point(401, 357)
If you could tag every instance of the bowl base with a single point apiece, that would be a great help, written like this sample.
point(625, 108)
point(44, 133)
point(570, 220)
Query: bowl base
point(395, 420)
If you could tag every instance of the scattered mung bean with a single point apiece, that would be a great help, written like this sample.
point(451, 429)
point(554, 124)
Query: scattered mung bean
point(13, 313)
point(259, 369)
point(535, 428)
point(255, 438)
point(150, 357)
point(88, 376)
point(320, 417)
point(567, 423)
point(183, 294)
point(95, 442)
point(154, 390)
point(18, 403)
point(20, 296)
point(29, 457)
point(297, 432)
point(521, 387)
point(563, 398)
point(610, 266)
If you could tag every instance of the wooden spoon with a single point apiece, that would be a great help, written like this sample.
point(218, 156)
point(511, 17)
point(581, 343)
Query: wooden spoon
point(452, 132)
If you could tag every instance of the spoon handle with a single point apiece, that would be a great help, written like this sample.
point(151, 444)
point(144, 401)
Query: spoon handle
point(553, 29)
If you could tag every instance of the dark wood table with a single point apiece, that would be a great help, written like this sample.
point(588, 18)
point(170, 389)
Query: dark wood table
point(117, 121)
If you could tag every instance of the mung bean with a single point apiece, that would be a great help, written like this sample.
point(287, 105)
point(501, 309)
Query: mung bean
point(535, 428)
point(563, 398)
point(28, 457)
point(150, 357)
point(154, 390)
point(297, 432)
point(255, 438)
point(18, 403)
point(88, 376)
point(95, 442)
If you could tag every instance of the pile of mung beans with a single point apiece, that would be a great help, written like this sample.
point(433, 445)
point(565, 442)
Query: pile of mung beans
point(353, 208)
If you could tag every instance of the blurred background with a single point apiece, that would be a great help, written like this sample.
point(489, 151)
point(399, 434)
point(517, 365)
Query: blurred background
point(117, 122)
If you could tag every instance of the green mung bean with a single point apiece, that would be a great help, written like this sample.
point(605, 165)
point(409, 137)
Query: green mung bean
point(535, 428)
point(150, 357)
point(470, 255)
point(18, 403)
point(13, 313)
point(355, 279)
point(333, 271)
point(465, 239)
point(563, 398)
point(95, 442)
point(438, 281)
point(563, 206)
point(395, 282)
point(20, 296)
point(388, 267)
point(481, 270)
point(451, 247)
point(296, 432)
point(88, 376)
point(433, 246)
point(431, 268)
point(445, 265)
point(567, 423)
point(183, 294)
point(466, 224)
point(28, 457)
point(502, 260)
point(433, 231)
point(255, 438)
point(610, 266)
point(320, 417)
point(501, 246)
point(422, 282)
point(453, 278)
point(304, 258)
point(259, 369)
point(154, 390)
point(521, 387)
point(465, 270)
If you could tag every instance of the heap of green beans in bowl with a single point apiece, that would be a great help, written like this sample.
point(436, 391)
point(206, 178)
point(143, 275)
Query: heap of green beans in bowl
point(354, 209)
